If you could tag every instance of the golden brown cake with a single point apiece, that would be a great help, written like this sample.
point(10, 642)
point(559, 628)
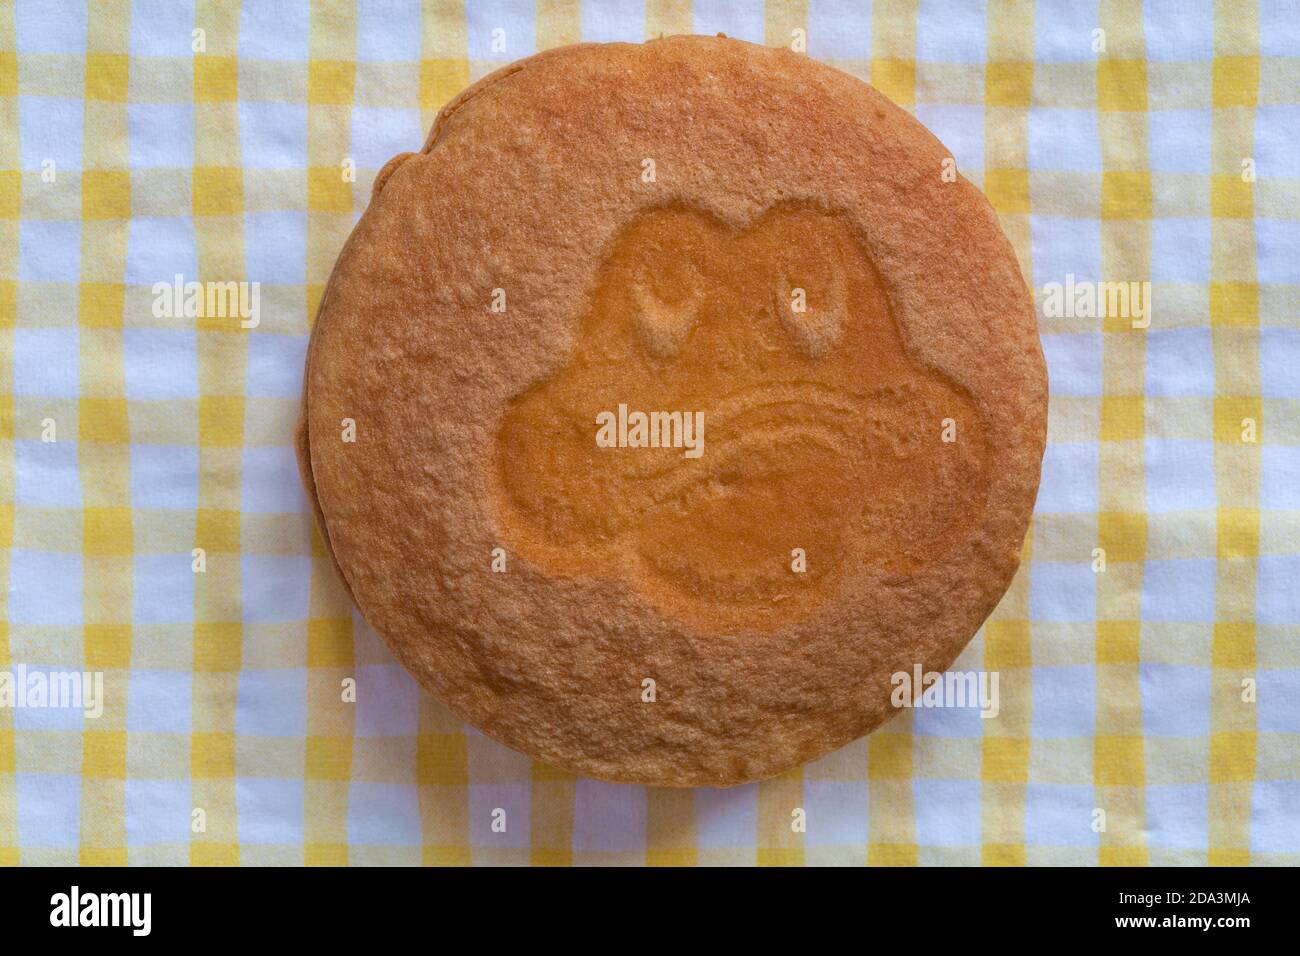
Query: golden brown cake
point(668, 402)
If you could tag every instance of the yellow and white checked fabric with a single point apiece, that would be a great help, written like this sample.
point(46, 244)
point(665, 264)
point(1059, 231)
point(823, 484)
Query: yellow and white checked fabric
point(1119, 141)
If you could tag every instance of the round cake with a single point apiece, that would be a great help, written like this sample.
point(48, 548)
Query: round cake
point(669, 402)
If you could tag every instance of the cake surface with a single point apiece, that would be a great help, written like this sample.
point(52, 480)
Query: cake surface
point(669, 402)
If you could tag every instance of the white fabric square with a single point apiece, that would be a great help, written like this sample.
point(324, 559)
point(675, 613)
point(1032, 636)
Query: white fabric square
point(837, 29)
point(158, 250)
point(379, 134)
point(1064, 140)
point(44, 588)
point(608, 817)
point(1279, 28)
point(726, 819)
point(275, 365)
point(1074, 363)
point(1279, 363)
point(388, 31)
point(610, 21)
point(165, 476)
point(1069, 478)
point(1179, 590)
point(50, 128)
point(835, 812)
point(47, 474)
point(951, 33)
point(50, 27)
point(162, 27)
point(47, 362)
point(164, 588)
point(1180, 362)
point(270, 811)
point(1175, 700)
point(500, 815)
point(271, 482)
point(1280, 479)
point(501, 29)
point(1177, 816)
point(273, 135)
point(383, 814)
point(273, 29)
point(1063, 591)
point(49, 251)
point(1277, 253)
point(1064, 247)
point(276, 587)
point(960, 128)
point(1178, 30)
point(160, 134)
point(1179, 141)
point(744, 20)
point(272, 702)
point(1063, 30)
point(159, 701)
point(160, 363)
point(275, 244)
point(1180, 251)
point(1180, 475)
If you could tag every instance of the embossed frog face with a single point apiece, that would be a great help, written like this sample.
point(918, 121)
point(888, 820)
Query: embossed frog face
point(825, 439)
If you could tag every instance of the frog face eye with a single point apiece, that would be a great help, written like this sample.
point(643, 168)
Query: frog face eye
point(667, 295)
point(810, 294)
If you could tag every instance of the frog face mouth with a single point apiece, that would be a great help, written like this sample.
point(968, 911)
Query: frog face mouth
point(825, 439)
